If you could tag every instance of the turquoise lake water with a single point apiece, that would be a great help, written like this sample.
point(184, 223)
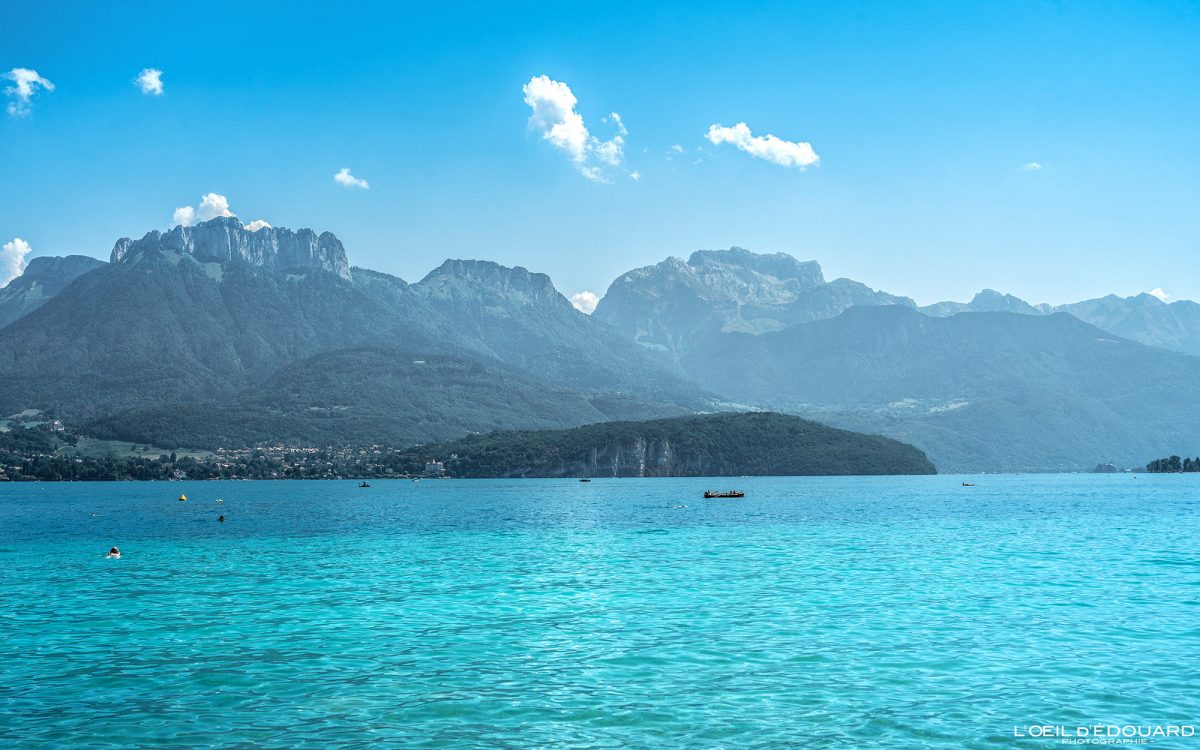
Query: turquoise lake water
point(888, 612)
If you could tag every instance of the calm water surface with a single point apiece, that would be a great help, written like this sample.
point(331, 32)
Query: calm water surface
point(816, 612)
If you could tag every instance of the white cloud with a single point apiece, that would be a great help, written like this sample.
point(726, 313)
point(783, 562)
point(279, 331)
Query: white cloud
point(767, 147)
point(256, 225)
point(635, 175)
point(611, 152)
point(343, 177)
point(585, 302)
point(150, 81)
point(677, 148)
point(184, 216)
point(12, 259)
point(595, 174)
point(554, 116)
point(1156, 292)
point(211, 206)
point(1032, 166)
point(26, 82)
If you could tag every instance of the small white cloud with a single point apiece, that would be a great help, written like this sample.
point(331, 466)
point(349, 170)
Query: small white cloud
point(595, 174)
point(184, 216)
point(211, 206)
point(256, 225)
point(614, 119)
point(343, 177)
point(677, 148)
point(25, 84)
point(1156, 292)
point(12, 260)
point(585, 302)
point(1032, 166)
point(610, 152)
point(767, 147)
point(150, 81)
point(635, 175)
point(554, 116)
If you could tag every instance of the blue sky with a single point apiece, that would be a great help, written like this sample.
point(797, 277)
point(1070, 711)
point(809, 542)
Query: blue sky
point(922, 115)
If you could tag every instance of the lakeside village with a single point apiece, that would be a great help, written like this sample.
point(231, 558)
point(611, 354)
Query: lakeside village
point(272, 462)
point(36, 447)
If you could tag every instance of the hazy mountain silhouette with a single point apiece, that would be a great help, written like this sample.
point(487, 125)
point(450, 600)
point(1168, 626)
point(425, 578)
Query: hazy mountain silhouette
point(217, 335)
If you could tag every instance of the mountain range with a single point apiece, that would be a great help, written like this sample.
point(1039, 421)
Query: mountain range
point(203, 334)
point(219, 335)
point(735, 290)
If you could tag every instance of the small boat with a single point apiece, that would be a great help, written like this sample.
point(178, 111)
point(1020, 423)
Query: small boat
point(364, 484)
point(969, 484)
point(731, 493)
point(584, 480)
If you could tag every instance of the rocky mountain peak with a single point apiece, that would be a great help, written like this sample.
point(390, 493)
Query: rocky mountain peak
point(224, 239)
point(989, 300)
point(516, 283)
point(66, 268)
point(744, 277)
point(44, 277)
point(779, 266)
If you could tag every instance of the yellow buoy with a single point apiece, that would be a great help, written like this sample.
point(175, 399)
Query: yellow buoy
point(183, 498)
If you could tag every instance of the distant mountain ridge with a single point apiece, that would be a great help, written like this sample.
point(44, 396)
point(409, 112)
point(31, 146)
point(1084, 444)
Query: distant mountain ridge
point(977, 392)
point(203, 322)
point(666, 306)
point(993, 384)
point(733, 290)
point(217, 335)
point(42, 280)
point(989, 300)
point(225, 239)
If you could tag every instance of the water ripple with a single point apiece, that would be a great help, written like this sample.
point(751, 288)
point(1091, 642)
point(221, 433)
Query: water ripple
point(816, 613)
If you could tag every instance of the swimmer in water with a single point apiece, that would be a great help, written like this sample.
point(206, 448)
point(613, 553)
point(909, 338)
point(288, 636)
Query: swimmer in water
point(113, 554)
point(221, 519)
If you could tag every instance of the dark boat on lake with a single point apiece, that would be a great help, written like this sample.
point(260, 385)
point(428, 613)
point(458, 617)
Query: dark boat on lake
point(731, 493)
point(364, 484)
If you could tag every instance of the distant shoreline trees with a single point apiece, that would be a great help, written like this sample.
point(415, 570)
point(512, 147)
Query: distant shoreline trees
point(1173, 465)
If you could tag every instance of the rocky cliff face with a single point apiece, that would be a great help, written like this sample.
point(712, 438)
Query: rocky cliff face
point(639, 457)
point(483, 280)
point(672, 305)
point(224, 239)
point(42, 280)
point(752, 278)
